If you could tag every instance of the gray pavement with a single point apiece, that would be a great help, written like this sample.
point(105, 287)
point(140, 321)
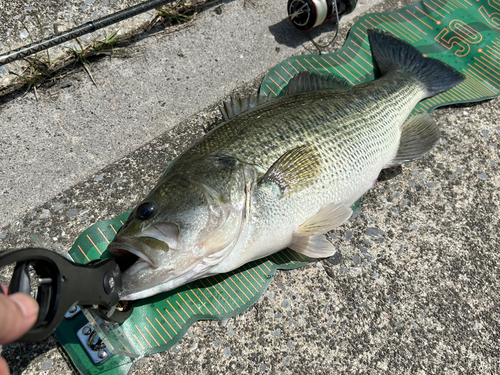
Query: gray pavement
point(414, 287)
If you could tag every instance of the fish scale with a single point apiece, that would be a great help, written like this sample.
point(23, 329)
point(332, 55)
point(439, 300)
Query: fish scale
point(282, 173)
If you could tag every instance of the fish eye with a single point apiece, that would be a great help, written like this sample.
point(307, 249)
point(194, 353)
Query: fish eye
point(145, 210)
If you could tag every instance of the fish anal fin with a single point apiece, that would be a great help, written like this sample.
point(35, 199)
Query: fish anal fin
point(314, 247)
point(294, 170)
point(418, 136)
point(329, 217)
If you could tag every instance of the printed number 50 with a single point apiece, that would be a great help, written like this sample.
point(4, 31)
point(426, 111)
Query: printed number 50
point(460, 35)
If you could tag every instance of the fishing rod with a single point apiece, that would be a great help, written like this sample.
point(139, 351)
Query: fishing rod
point(86, 28)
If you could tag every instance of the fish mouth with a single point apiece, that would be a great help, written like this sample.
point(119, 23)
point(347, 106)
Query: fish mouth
point(121, 249)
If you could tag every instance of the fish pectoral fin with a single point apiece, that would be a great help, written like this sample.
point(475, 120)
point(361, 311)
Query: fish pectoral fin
point(418, 136)
point(313, 247)
point(294, 170)
point(329, 217)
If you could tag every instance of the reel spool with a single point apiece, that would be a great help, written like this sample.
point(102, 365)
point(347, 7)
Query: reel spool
point(307, 14)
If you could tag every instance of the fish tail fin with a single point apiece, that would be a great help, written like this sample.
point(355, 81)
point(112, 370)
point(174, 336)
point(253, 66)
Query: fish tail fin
point(391, 52)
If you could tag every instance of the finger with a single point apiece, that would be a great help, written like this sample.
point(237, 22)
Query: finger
point(18, 313)
point(4, 367)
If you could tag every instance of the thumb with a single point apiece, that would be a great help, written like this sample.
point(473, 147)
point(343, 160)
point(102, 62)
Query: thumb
point(18, 313)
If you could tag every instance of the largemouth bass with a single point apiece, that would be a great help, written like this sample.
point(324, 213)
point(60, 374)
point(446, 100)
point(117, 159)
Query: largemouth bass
point(281, 172)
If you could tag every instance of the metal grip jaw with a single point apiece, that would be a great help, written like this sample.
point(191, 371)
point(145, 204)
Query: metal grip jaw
point(61, 284)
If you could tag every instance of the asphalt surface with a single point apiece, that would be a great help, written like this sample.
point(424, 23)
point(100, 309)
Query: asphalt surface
point(414, 286)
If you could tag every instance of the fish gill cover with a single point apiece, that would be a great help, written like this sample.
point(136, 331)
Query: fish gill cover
point(462, 33)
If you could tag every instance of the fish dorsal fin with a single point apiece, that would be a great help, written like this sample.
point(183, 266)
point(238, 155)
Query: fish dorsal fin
point(294, 169)
point(313, 247)
point(418, 136)
point(305, 82)
point(236, 106)
point(302, 82)
point(329, 217)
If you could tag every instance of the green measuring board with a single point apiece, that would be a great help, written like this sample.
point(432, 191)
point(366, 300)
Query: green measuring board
point(462, 33)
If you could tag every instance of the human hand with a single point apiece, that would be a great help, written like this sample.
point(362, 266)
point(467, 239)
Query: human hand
point(18, 313)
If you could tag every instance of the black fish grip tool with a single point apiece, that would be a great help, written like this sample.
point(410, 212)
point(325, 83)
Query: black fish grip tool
point(60, 284)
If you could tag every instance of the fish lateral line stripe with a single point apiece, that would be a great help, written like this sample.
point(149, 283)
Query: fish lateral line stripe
point(156, 331)
point(370, 64)
point(179, 315)
point(182, 308)
point(230, 287)
point(102, 234)
point(144, 337)
point(183, 300)
point(90, 239)
point(428, 15)
point(279, 75)
point(430, 27)
point(114, 230)
point(215, 288)
point(143, 348)
point(209, 291)
point(434, 10)
point(249, 282)
point(270, 89)
point(287, 72)
point(404, 26)
point(411, 23)
point(147, 330)
point(171, 316)
point(354, 60)
point(289, 63)
point(197, 305)
point(172, 328)
point(206, 308)
point(242, 283)
point(340, 65)
point(85, 255)
point(163, 328)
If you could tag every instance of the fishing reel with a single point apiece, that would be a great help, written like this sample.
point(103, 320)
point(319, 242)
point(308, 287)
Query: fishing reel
point(307, 14)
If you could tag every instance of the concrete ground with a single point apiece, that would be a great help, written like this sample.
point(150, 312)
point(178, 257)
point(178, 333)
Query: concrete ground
point(413, 288)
